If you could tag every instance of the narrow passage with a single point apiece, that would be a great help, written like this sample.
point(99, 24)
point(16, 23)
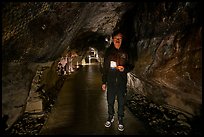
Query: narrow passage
point(81, 108)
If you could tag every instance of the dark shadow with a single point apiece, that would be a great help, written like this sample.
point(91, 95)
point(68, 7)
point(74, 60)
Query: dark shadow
point(4, 124)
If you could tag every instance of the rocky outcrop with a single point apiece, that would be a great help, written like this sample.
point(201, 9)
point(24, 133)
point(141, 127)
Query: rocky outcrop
point(168, 45)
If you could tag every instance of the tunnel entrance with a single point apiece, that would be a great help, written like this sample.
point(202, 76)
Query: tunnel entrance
point(91, 57)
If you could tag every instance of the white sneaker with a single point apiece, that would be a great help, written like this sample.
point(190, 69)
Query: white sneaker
point(109, 121)
point(120, 127)
point(107, 124)
point(120, 124)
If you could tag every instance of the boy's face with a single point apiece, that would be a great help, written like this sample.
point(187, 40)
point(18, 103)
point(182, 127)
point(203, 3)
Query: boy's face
point(117, 40)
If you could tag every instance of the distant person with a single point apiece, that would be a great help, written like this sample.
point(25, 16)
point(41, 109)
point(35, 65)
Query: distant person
point(114, 78)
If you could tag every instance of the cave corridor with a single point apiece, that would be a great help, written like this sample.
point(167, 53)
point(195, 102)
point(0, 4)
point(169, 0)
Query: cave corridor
point(52, 55)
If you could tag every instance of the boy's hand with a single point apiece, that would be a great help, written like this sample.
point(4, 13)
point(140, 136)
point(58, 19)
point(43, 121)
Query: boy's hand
point(103, 87)
point(120, 68)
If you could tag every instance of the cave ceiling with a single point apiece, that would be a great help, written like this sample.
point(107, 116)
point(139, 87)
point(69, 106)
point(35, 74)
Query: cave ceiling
point(42, 31)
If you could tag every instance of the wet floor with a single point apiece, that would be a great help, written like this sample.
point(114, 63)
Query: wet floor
point(81, 108)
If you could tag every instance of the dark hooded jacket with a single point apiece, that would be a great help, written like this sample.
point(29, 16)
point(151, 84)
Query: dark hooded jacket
point(113, 76)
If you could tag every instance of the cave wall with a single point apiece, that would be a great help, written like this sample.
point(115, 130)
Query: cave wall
point(40, 32)
point(15, 88)
point(167, 46)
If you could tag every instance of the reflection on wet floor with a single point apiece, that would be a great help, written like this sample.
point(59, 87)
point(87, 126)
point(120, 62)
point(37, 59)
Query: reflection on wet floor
point(81, 108)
